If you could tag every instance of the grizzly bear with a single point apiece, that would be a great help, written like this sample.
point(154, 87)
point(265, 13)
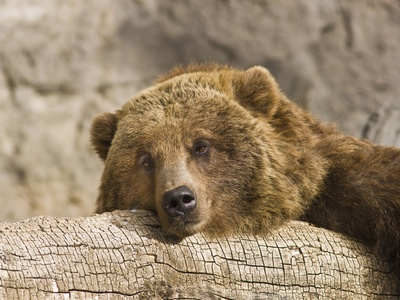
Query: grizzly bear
point(214, 149)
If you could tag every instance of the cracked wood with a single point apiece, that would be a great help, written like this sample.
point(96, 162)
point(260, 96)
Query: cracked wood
point(122, 254)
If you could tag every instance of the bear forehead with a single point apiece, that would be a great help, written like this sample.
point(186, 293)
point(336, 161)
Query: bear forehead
point(186, 107)
point(186, 96)
point(182, 90)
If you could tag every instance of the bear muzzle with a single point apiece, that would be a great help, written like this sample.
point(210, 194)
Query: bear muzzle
point(179, 202)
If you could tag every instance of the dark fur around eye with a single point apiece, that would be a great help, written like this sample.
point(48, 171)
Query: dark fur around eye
point(146, 162)
point(201, 147)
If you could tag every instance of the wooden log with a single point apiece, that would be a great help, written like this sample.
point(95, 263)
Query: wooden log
point(125, 254)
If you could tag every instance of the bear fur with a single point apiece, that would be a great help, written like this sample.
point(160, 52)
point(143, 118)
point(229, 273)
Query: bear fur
point(214, 149)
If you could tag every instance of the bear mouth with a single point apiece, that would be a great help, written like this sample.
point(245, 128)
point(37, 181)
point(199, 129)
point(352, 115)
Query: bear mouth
point(183, 226)
point(184, 222)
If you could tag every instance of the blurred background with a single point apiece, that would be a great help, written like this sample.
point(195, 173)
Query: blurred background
point(63, 62)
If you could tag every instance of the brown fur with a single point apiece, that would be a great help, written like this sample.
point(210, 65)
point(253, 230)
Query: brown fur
point(268, 160)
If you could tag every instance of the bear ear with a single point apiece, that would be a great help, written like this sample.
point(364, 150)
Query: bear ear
point(257, 90)
point(102, 133)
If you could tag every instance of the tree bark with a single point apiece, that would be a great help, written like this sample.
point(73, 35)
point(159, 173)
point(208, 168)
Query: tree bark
point(121, 254)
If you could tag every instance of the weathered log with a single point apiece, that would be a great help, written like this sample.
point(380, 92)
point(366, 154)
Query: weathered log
point(121, 254)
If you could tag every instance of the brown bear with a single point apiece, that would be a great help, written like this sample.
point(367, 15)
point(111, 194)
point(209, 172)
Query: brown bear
point(214, 149)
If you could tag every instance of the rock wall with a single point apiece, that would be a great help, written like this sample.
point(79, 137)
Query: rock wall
point(62, 62)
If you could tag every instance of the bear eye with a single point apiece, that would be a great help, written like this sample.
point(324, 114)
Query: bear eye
point(200, 147)
point(146, 162)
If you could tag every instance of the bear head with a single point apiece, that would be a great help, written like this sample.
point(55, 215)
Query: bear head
point(198, 148)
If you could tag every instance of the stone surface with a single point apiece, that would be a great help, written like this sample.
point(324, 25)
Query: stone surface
point(62, 62)
point(383, 125)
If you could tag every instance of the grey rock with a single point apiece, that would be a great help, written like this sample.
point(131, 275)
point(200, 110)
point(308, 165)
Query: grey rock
point(62, 62)
point(383, 126)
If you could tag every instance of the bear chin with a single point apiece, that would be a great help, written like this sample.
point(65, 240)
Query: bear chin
point(183, 227)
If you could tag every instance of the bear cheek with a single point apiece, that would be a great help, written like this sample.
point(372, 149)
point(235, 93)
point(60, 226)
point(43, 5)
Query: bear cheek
point(135, 188)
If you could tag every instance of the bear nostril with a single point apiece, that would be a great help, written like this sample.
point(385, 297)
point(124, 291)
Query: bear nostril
point(187, 199)
point(179, 201)
point(173, 203)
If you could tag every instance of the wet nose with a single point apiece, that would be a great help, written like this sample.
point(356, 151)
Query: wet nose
point(179, 201)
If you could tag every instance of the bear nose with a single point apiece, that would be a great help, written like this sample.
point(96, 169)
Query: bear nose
point(179, 201)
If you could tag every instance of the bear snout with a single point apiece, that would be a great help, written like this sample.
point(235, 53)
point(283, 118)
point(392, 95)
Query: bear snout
point(179, 201)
